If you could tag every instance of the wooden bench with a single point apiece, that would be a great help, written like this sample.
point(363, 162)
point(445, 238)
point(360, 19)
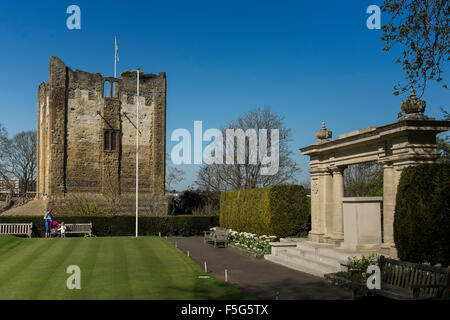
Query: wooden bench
point(412, 281)
point(218, 236)
point(80, 228)
point(16, 229)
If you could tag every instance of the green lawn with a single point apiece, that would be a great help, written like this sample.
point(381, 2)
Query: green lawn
point(111, 268)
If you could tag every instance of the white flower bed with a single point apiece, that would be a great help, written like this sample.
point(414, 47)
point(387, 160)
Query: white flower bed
point(250, 241)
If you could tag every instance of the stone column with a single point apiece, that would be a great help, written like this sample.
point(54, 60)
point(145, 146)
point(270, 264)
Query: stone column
point(328, 203)
point(391, 177)
point(316, 234)
point(338, 193)
point(321, 195)
point(389, 194)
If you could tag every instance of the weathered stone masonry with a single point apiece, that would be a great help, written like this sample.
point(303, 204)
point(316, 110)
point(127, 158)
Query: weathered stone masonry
point(87, 137)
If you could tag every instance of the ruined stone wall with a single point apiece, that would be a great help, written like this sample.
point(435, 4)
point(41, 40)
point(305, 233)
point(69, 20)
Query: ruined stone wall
point(152, 132)
point(43, 140)
point(57, 106)
point(73, 114)
point(84, 132)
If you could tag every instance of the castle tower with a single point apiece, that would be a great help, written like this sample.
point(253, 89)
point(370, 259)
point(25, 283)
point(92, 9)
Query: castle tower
point(87, 135)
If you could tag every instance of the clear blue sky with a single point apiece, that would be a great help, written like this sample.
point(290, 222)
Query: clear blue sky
point(311, 61)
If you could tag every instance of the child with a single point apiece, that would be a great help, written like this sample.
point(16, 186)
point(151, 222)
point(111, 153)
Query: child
point(62, 230)
point(54, 227)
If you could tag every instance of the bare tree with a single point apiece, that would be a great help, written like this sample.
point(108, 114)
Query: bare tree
point(173, 176)
point(5, 173)
point(21, 159)
point(3, 147)
point(363, 180)
point(220, 177)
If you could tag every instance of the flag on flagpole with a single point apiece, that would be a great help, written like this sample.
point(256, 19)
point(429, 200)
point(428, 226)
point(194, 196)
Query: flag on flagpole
point(117, 50)
point(116, 54)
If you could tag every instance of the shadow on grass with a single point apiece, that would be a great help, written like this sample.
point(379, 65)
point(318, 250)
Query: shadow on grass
point(211, 291)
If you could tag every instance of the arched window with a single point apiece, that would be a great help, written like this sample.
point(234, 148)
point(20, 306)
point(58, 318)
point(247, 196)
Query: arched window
point(110, 140)
point(106, 89)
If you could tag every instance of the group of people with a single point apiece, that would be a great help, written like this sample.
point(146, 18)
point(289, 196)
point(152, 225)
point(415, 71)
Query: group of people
point(52, 227)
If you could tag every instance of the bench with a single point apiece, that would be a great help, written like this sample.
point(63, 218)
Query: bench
point(412, 281)
point(80, 228)
point(16, 229)
point(218, 236)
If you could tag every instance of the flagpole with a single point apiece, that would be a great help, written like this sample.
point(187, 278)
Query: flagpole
point(115, 55)
point(137, 153)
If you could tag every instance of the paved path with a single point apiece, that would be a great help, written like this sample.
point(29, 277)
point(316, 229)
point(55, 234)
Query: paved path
point(260, 278)
point(33, 208)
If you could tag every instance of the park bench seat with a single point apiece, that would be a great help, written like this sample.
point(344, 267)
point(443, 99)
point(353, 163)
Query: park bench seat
point(402, 280)
point(16, 229)
point(218, 236)
point(79, 228)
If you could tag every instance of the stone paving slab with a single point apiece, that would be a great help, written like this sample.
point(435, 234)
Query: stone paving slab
point(259, 278)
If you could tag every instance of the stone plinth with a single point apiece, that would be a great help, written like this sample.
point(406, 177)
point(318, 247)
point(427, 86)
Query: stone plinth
point(362, 222)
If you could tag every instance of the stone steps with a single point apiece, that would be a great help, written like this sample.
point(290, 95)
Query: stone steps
point(314, 258)
point(328, 252)
point(292, 265)
point(331, 261)
point(312, 262)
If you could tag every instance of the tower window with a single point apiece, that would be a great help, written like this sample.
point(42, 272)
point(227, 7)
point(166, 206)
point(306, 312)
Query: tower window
point(110, 140)
point(106, 89)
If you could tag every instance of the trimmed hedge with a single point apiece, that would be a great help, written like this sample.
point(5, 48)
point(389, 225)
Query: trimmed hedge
point(125, 225)
point(422, 214)
point(276, 210)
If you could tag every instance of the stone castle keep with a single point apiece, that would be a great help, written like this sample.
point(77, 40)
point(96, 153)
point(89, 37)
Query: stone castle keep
point(87, 135)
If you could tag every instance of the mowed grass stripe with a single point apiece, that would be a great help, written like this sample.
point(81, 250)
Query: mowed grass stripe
point(88, 261)
point(8, 243)
point(100, 284)
point(165, 270)
point(51, 269)
point(77, 250)
point(32, 276)
point(111, 268)
point(183, 274)
point(182, 271)
point(142, 277)
point(122, 285)
point(16, 261)
point(206, 288)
